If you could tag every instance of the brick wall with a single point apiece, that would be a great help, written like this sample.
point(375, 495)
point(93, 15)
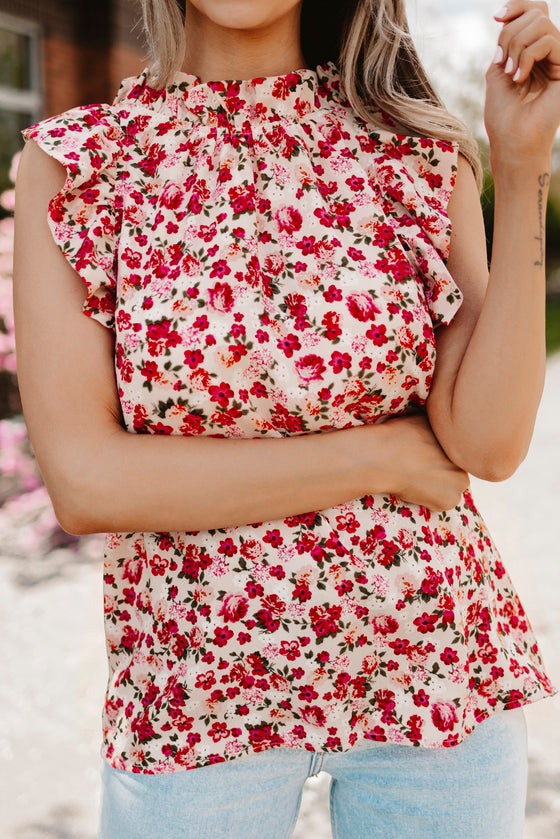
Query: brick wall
point(88, 47)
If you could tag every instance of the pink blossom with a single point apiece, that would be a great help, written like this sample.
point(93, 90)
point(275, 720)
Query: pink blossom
point(288, 219)
point(310, 368)
point(234, 607)
point(362, 306)
point(444, 715)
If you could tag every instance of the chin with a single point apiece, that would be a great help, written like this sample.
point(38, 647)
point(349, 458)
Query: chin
point(244, 14)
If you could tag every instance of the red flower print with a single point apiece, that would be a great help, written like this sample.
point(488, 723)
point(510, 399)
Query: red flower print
point(234, 607)
point(362, 306)
point(310, 368)
point(384, 624)
point(133, 570)
point(444, 715)
point(288, 219)
point(143, 729)
point(172, 196)
point(290, 649)
point(222, 634)
point(377, 733)
point(218, 731)
point(313, 714)
point(340, 361)
point(289, 345)
point(206, 680)
point(132, 259)
point(274, 604)
point(378, 334)
point(251, 549)
point(193, 358)
point(221, 297)
point(449, 656)
point(421, 699)
point(221, 394)
point(434, 179)
point(426, 623)
point(259, 297)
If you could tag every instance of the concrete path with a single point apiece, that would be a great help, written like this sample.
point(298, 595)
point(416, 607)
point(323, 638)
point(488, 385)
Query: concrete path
point(50, 703)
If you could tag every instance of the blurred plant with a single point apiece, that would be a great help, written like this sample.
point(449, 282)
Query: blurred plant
point(28, 526)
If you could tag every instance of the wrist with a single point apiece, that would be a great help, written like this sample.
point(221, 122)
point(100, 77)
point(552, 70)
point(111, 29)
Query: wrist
point(511, 172)
point(373, 458)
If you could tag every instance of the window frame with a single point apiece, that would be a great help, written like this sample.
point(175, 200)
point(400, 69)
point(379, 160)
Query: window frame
point(25, 101)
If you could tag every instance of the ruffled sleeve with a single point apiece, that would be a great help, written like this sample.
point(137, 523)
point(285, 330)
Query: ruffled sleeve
point(416, 176)
point(85, 216)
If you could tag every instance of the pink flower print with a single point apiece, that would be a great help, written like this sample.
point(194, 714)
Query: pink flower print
point(384, 624)
point(288, 219)
point(289, 344)
point(220, 268)
point(310, 368)
point(190, 265)
point(340, 361)
point(313, 715)
point(426, 623)
point(133, 259)
point(274, 263)
point(378, 334)
point(252, 550)
point(221, 297)
point(444, 715)
point(362, 306)
point(196, 637)
point(172, 196)
point(133, 570)
point(324, 250)
point(234, 607)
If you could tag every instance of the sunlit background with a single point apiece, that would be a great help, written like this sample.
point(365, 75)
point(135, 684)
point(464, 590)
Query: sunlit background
point(55, 54)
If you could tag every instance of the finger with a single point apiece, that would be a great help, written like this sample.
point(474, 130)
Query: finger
point(521, 33)
point(538, 51)
point(515, 8)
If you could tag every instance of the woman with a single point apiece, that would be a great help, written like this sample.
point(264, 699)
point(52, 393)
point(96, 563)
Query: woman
point(271, 259)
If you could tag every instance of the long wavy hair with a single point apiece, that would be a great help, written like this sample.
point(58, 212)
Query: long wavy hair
point(369, 41)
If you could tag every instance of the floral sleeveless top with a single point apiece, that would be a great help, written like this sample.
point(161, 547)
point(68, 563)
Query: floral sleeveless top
point(271, 264)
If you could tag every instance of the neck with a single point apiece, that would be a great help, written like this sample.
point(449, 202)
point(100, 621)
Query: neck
point(215, 51)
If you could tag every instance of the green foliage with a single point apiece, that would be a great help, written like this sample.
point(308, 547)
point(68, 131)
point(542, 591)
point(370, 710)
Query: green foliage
point(553, 325)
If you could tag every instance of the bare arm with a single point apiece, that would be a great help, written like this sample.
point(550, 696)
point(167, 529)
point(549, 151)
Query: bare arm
point(491, 359)
point(102, 478)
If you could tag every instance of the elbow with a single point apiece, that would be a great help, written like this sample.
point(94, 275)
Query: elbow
point(73, 492)
point(494, 465)
point(74, 522)
point(493, 472)
point(73, 518)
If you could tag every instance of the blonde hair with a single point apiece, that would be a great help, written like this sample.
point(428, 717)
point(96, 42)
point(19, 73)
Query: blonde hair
point(379, 66)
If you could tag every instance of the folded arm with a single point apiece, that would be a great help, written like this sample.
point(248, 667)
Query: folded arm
point(491, 359)
point(102, 478)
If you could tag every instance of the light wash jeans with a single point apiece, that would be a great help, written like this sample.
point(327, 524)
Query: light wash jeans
point(475, 790)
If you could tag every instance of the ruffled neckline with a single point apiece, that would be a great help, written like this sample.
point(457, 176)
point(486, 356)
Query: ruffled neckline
point(293, 95)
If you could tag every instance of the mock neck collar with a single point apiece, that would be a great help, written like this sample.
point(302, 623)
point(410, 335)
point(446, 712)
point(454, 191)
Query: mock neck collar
point(293, 95)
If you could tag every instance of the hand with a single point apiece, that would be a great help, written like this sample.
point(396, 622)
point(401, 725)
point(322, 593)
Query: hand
point(522, 111)
point(421, 472)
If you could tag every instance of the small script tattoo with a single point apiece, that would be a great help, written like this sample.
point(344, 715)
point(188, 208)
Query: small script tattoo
point(543, 182)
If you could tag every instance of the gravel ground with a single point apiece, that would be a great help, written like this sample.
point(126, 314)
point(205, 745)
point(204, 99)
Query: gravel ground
point(50, 703)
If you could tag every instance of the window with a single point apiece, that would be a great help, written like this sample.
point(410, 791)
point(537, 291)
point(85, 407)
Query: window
point(20, 94)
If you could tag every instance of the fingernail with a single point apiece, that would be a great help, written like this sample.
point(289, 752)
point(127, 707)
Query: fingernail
point(517, 74)
point(509, 65)
point(501, 12)
point(499, 57)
